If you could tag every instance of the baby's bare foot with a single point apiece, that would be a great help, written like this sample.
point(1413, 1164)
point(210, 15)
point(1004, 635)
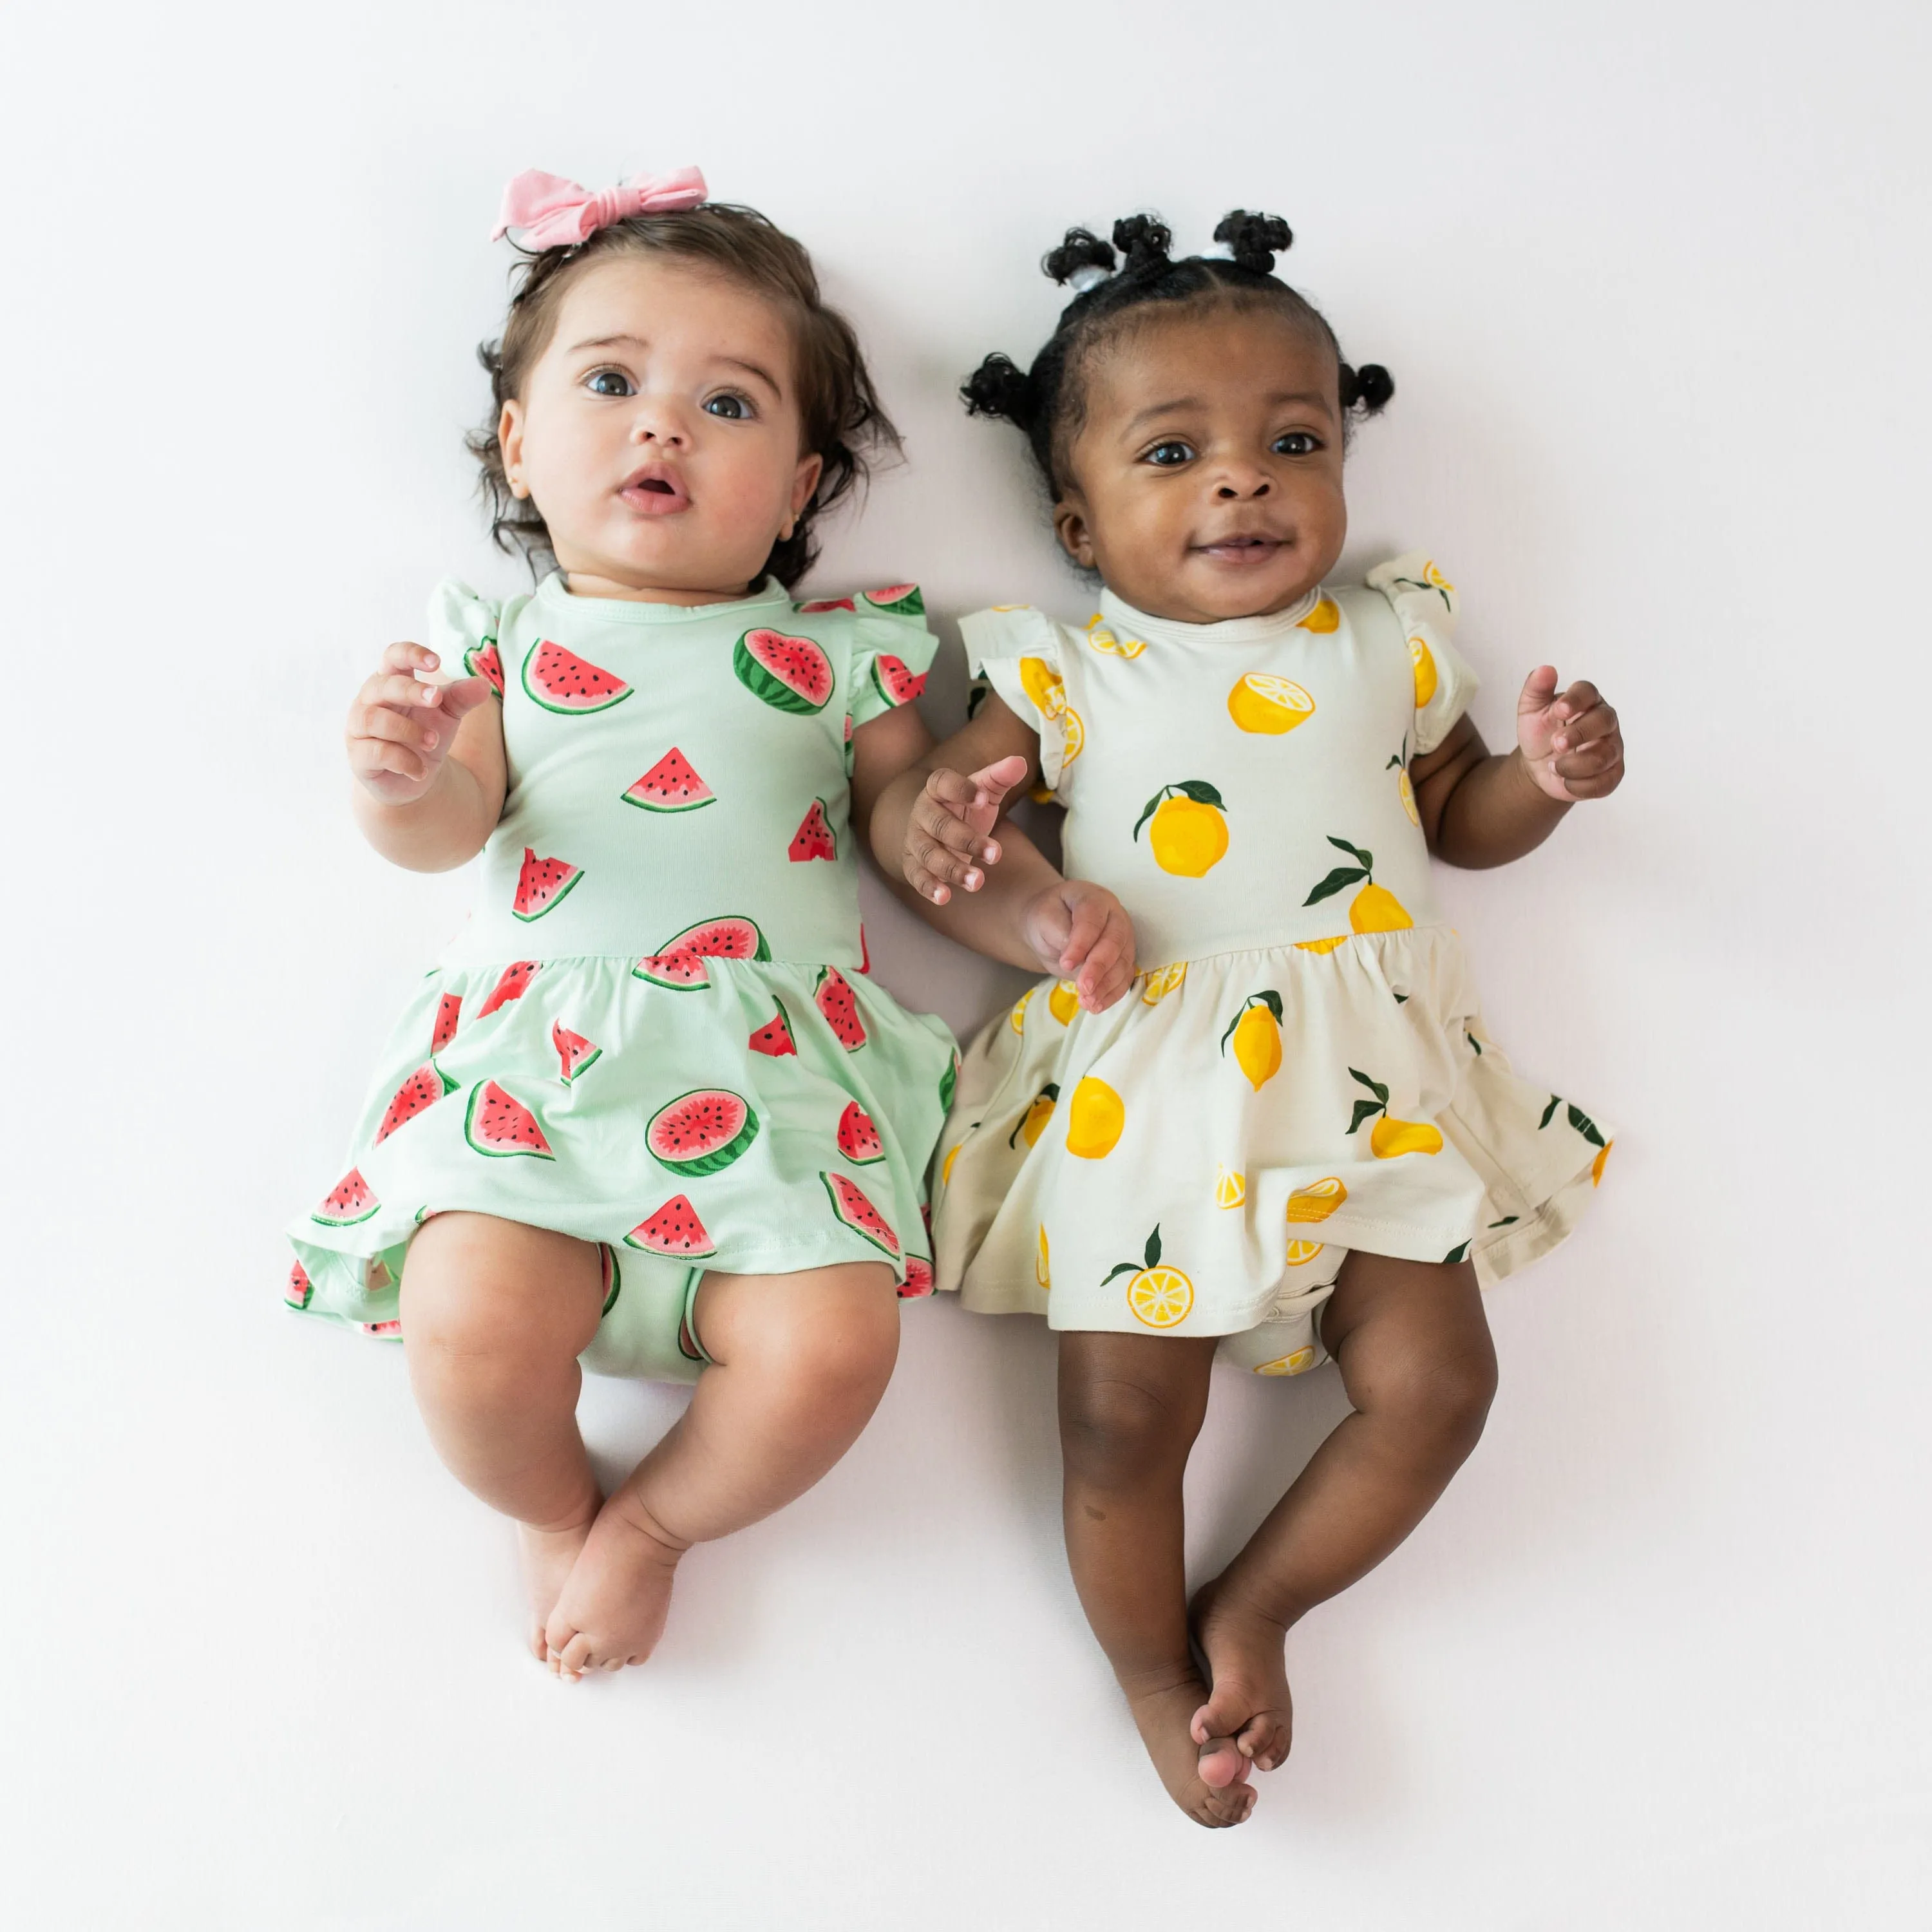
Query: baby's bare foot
point(1247, 1717)
point(1162, 1710)
point(549, 1556)
point(611, 1610)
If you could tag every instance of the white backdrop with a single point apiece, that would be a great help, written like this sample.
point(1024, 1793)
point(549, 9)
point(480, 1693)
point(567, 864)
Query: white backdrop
point(1652, 279)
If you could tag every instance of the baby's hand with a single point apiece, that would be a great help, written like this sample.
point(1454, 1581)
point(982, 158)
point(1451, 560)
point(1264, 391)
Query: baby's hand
point(1571, 744)
point(949, 827)
point(1082, 933)
point(401, 729)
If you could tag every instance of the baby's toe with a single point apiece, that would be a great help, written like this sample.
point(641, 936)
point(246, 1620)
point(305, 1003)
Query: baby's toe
point(1230, 1806)
point(1264, 1739)
point(1222, 1763)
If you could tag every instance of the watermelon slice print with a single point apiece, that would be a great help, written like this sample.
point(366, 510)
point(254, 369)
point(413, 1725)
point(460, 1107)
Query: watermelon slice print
point(575, 1054)
point(671, 784)
point(541, 883)
point(701, 1132)
point(824, 603)
point(680, 962)
point(514, 983)
point(424, 1088)
point(865, 953)
point(894, 682)
point(482, 661)
point(851, 748)
point(351, 1199)
point(560, 680)
point(774, 1037)
point(918, 1278)
point(300, 1291)
point(837, 1001)
point(814, 837)
point(902, 600)
point(614, 1280)
point(383, 1331)
point(789, 674)
point(500, 1125)
point(674, 1229)
point(849, 1204)
point(448, 1010)
point(948, 1081)
point(859, 1139)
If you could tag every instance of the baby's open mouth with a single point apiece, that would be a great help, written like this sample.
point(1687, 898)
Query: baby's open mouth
point(654, 491)
point(1240, 550)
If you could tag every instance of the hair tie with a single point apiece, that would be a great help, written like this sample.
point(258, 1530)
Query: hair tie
point(554, 213)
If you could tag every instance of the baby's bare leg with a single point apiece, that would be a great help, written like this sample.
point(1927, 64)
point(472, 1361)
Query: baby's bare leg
point(799, 1363)
point(494, 1315)
point(1130, 1407)
point(1416, 1359)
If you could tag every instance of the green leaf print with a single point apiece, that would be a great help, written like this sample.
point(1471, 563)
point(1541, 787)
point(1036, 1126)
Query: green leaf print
point(1585, 1126)
point(1549, 1112)
point(1374, 1086)
point(1342, 875)
point(1365, 858)
point(1459, 1253)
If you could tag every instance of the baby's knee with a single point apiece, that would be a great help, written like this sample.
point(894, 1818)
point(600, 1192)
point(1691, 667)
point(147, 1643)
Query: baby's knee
point(834, 1353)
point(1113, 1430)
point(1445, 1400)
point(481, 1329)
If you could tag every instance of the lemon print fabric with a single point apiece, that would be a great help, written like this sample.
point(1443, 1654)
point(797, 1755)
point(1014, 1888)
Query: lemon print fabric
point(1189, 832)
point(1294, 1074)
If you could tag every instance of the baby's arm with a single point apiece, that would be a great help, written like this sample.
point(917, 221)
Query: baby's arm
point(934, 827)
point(428, 763)
point(1479, 809)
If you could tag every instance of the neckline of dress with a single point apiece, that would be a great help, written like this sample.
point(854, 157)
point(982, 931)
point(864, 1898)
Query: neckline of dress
point(555, 595)
point(1265, 629)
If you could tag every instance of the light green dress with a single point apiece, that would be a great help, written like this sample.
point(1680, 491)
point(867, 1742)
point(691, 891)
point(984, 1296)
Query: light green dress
point(656, 1032)
point(1302, 1068)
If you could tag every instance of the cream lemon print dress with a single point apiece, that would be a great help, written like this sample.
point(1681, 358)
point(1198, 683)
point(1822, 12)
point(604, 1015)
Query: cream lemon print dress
point(1302, 1068)
point(655, 1031)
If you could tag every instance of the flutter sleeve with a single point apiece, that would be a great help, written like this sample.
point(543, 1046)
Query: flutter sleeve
point(462, 633)
point(1018, 651)
point(892, 650)
point(1425, 604)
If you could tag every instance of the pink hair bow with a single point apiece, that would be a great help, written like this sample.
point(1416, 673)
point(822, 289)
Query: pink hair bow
point(553, 213)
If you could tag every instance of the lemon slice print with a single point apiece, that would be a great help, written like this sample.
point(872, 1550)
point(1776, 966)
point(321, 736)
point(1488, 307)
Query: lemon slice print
point(1391, 1137)
point(1041, 1273)
point(1230, 1188)
point(1404, 790)
point(1261, 703)
point(1256, 1031)
point(1094, 1120)
point(1423, 661)
point(1162, 980)
point(1318, 1200)
point(1301, 1253)
point(1297, 1363)
point(1375, 908)
point(1044, 686)
point(1063, 1002)
point(1016, 1019)
point(1109, 642)
point(1158, 1296)
point(1075, 741)
point(1188, 836)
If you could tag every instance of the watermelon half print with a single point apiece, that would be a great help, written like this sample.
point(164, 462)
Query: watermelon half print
point(701, 1132)
point(814, 837)
point(559, 680)
point(674, 1229)
point(789, 673)
point(424, 1088)
point(498, 1124)
point(902, 600)
point(351, 1199)
point(541, 884)
point(671, 784)
point(850, 1204)
point(680, 962)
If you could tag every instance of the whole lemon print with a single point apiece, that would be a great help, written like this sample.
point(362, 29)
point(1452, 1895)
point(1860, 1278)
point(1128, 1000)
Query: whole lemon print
point(1375, 908)
point(1041, 1273)
point(1033, 1122)
point(1190, 833)
point(1391, 1137)
point(1423, 659)
point(1261, 703)
point(1256, 1031)
point(1063, 1002)
point(1323, 618)
point(1318, 1200)
point(1094, 1120)
point(1158, 1296)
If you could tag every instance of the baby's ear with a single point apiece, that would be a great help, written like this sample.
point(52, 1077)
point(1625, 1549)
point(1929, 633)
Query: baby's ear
point(1070, 527)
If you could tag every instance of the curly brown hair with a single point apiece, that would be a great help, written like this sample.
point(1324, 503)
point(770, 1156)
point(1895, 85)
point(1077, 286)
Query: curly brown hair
point(842, 420)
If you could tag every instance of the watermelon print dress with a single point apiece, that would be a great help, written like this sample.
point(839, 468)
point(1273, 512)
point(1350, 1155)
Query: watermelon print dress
point(1301, 1068)
point(656, 1032)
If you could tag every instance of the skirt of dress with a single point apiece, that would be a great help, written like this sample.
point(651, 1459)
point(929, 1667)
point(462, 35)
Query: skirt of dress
point(760, 1118)
point(1197, 1160)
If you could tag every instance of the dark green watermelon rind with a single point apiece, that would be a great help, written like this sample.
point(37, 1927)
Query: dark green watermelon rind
point(711, 1161)
point(845, 1221)
point(652, 805)
point(501, 1153)
point(566, 710)
point(696, 985)
point(766, 684)
point(948, 1081)
point(915, 684)
point(583, 1066)
point(616, 1279)
point(551, 905)
point(679, 942)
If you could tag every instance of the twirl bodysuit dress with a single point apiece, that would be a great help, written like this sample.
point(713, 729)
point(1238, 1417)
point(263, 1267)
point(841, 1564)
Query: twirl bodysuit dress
point(1301, 1068)
point(656, 1032)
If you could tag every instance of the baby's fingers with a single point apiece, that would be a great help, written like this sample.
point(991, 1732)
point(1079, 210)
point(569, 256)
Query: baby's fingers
point(392, 727)
point(409, 658)
point(1109, 969)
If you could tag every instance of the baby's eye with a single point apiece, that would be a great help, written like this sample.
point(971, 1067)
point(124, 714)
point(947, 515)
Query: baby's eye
point(1166, 455)
point(608, 382)
point(1297, 442)
point(732, 409)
